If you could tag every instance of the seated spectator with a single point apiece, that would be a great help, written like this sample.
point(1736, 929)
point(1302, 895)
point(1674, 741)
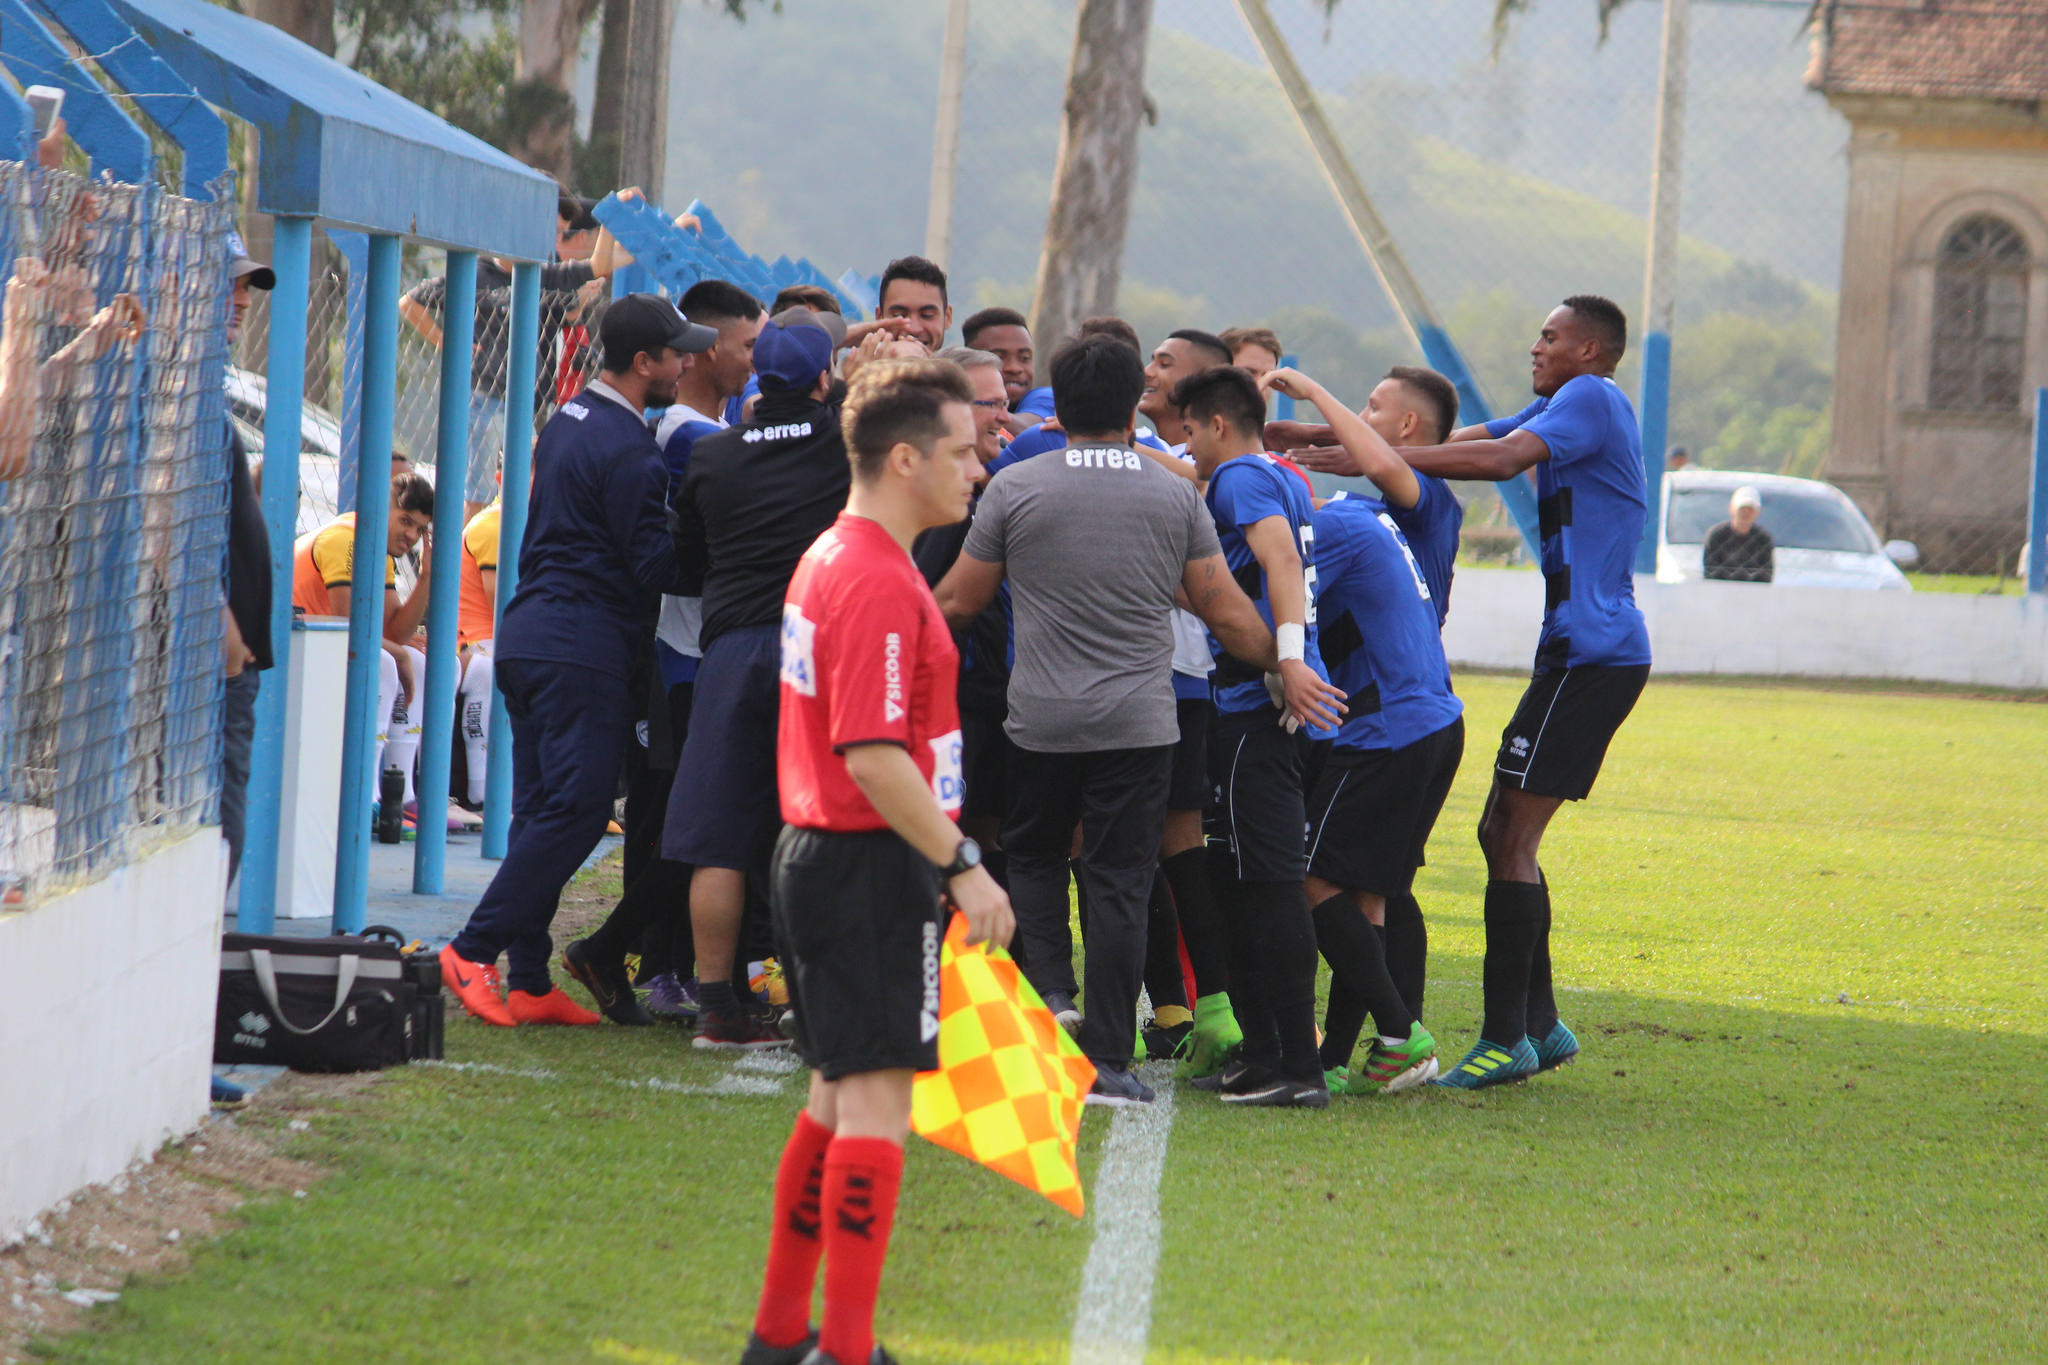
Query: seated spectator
point(1739, 550)
point(323, 582)
point(476, 622)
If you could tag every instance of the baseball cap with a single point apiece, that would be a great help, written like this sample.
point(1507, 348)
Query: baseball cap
point(648, 322)
point(240, 263)
point(795, 346)
point(1746, 496)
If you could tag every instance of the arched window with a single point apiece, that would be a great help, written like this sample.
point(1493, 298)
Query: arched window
point(1980, 317)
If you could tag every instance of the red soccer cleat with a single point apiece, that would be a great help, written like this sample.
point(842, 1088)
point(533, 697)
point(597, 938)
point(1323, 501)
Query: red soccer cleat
point(475, 986)
point(555, 1007)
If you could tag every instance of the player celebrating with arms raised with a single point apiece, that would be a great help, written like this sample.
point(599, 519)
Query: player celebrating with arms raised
point(1592, 658)
point(868, 767)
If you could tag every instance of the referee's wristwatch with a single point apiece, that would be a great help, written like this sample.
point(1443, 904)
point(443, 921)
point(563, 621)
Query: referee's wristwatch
point(966, 858)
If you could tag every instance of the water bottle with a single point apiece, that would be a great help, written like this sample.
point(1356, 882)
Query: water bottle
point(391, 806)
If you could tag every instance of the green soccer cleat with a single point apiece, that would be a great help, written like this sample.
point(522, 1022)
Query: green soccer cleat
point(1339, 1080)
point(1215, 1037)
point(1491, 1064)
point(1556, 1047)
point(1390, 1070)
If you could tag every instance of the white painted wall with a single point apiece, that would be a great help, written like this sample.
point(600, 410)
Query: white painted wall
point(106, 1023)
point(1777, 631)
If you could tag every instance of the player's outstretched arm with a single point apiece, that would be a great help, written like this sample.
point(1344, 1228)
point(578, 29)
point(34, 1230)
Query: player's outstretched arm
point(1374, 458)
point(888, 777)
point(1494, 461)
point(967, 589)
point(1287, 437)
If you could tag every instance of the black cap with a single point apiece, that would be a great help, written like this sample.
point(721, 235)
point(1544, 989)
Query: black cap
point(647, 322)
point(240, 264)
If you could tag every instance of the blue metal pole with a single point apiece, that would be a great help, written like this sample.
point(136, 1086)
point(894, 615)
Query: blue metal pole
point(366, 592)
point(1655, 413)
point(2037, 505)
point(451, 458)
point(292, 259)
point(1284, 409)
point(525, 345)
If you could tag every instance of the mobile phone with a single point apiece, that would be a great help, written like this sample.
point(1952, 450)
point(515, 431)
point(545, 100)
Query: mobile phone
point(45, 102)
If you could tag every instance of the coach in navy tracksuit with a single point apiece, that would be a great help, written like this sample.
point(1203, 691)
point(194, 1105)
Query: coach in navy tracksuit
point(595, 556)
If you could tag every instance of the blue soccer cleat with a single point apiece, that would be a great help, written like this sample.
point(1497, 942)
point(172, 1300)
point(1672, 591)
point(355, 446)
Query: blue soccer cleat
point(1491, 1064)
point(1556, 1047)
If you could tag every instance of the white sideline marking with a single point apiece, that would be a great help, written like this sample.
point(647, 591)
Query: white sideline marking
point(1114, 1314)
point(755, 1074)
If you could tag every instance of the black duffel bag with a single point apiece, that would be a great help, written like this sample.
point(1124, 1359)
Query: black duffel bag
point(313, 1004)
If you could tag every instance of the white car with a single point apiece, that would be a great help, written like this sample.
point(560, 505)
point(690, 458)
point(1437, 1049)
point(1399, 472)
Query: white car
point(319, 445)
point(1821, 538)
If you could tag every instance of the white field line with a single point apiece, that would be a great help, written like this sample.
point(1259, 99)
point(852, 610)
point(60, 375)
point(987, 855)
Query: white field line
point(755, 1074)
point(1114, 1314)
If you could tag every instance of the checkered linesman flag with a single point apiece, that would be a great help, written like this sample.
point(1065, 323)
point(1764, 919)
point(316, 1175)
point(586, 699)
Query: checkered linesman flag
point(1011, 1083)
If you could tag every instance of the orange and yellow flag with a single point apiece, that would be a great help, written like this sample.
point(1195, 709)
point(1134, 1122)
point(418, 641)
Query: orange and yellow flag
point(1011, 1083)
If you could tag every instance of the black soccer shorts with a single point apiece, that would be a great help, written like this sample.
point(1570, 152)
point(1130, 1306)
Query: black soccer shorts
point(1371, 810)
point(1558, 738)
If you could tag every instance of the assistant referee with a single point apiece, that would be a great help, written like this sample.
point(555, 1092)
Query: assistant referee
point(868, 772)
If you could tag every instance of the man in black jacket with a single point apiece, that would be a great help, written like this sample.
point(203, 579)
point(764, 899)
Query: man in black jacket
point(246, 622)
point(595, 555)
point(1739, 550)
point(751, 502)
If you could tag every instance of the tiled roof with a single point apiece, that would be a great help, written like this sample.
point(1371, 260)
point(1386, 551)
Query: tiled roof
point(1933, 49)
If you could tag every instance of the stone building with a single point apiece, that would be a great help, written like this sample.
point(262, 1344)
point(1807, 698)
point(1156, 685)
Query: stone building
point(1943, 333)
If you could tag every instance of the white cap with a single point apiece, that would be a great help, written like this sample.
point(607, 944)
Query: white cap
point(1746, 496)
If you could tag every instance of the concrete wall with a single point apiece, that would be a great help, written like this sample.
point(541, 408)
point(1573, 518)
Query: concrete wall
point(1790, 632)
point(106, 1023)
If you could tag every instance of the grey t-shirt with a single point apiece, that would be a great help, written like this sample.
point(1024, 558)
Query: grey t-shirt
point(1094, 540)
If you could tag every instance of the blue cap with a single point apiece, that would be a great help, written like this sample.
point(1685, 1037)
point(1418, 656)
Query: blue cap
point(791, 354)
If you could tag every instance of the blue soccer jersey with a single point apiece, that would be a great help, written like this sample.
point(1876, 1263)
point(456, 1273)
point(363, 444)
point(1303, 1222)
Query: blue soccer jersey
point(1591, 503)
point(1376, 627)
point(1431, 527)
point(1242, 493)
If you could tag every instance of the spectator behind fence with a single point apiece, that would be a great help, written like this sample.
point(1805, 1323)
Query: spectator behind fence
point(595, 555)
point(245, 623)
point(323, 582)
point(1739, 550)
point(568, 288)
point(476, 623)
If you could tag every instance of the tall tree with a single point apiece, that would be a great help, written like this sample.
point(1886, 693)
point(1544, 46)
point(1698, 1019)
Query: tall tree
point(643, 144)
point(550, 41)
point(1081, 263)
point(597, 168)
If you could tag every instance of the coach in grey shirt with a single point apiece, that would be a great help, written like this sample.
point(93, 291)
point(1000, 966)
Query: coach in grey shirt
point(1096, 540)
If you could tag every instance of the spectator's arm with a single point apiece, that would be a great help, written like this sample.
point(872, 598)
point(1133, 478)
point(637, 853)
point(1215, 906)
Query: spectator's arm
point(402, 619)
point(421, 318)
point(20, 377)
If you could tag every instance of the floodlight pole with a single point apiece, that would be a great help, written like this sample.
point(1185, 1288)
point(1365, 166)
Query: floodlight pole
point(938, 223)
point(1660, 273)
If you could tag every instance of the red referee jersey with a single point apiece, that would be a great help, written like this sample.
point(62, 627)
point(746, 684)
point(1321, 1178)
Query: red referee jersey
point(866, 658)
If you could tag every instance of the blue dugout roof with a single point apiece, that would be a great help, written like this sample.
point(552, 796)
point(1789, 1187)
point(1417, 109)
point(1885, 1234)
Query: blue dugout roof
point(343, 149)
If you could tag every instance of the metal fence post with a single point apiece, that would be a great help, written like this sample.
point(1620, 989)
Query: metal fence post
point(430, 847)
point(525, 344)
point(2037, 502)
point(292, 260)
point(366, 592)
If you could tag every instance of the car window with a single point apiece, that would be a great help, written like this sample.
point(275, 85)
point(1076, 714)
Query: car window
point(1796, 520)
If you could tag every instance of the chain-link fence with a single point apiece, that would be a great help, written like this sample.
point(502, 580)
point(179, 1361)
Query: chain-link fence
point(113, 523)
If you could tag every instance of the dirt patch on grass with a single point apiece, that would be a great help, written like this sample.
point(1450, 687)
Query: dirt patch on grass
point(146, 1220)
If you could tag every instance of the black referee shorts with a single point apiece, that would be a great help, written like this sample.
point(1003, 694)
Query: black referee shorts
point(1558, 738)
point(859, 920)
point(1257, 811)
point(1370, 814)
point(1189, 787)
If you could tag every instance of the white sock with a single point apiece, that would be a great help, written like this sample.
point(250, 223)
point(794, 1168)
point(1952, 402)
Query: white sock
point(388, 694)
point(476, 723)
point(404, 743)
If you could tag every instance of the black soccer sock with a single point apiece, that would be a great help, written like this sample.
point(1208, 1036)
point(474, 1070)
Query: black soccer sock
point(1514, 924)
point(1194, 901)
point(1287, 957)
point(1542, 1007)
point(1163, 981)
point(1343, 1021)
point(1355, 951)
point(718, 997)
point(1407, 949)
point(1243, 928)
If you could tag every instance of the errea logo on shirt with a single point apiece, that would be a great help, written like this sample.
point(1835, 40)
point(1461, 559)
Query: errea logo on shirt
point(576, 410)
point(787, 431)
point(799, 670)
point(1098, 457)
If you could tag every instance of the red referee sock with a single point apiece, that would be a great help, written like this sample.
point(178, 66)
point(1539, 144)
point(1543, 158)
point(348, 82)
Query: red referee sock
point(862, 1176)
point(794, 1244)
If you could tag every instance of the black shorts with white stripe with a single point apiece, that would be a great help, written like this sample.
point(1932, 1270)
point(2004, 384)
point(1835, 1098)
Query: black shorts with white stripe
point(1257, 810)
point(1370, 811)
point(1558, 738)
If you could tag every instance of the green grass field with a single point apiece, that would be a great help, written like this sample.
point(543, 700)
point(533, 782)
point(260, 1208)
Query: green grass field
point(1800, 934)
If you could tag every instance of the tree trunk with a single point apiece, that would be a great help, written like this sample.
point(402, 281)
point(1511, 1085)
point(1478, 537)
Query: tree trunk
point(1081, 263)
point(550, 40)
point(643, 158)
point(312, 23)
point(600, 166)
